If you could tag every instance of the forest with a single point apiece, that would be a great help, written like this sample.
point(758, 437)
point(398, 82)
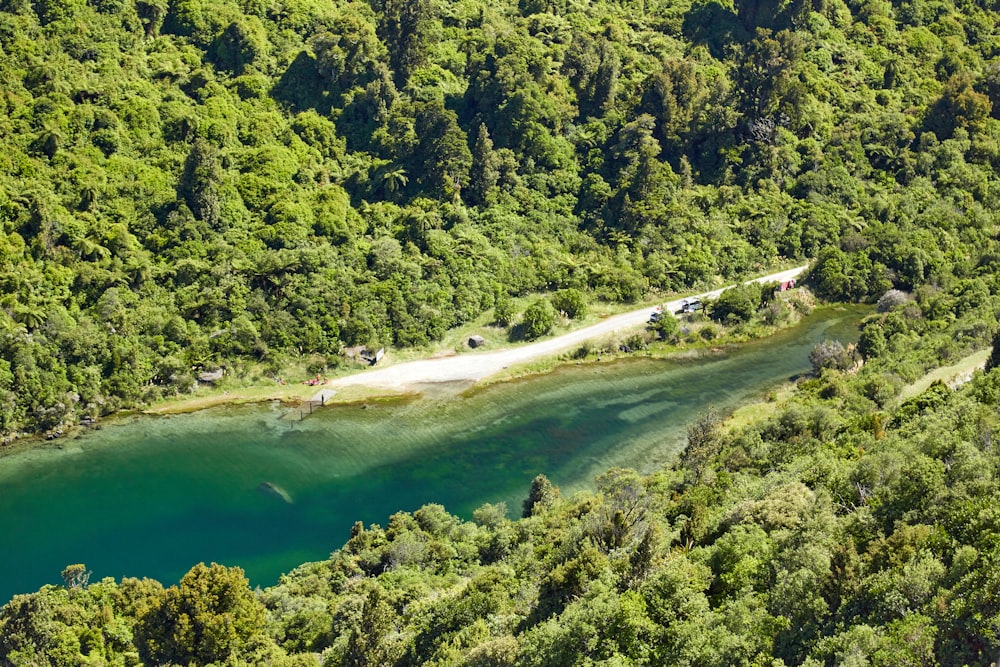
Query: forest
point(202, 183)
point(191, 183)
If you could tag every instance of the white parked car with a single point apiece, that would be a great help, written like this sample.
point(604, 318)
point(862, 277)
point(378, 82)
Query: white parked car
point(690, 306)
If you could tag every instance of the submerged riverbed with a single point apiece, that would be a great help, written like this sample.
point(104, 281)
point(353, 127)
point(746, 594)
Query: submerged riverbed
point(258, 487)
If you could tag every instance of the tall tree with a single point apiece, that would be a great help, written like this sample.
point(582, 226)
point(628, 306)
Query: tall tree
point(542, 495)
point(485, 168)
point(211, 617)
point(243, 44)
point(443, 152)
point(348, 52)
point(201, 180)
point(403, 27)
point(371, 644)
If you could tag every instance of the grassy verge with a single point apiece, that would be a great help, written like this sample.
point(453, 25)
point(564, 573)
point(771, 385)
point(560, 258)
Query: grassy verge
point(948, 374)
point(699, 337)
point(752, 413)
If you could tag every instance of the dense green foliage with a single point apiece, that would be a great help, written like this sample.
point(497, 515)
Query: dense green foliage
point(537, 319)
point(191, 183)
point(849, 526)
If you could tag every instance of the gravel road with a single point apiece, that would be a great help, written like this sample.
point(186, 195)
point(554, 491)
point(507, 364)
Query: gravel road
point(476, 365)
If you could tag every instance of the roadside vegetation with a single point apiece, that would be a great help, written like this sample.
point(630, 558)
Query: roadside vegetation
point(763, 309)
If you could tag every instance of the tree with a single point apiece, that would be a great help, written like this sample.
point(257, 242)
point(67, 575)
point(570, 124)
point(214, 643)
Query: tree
point(503, 308)
point(243, 44)
point(570, 301)
point(485, 168)
point(702, 443)
point(443, 153)
point(960, 105)
point(151, 14)
point(348, 52)
point(891, 299)
point(542, 494)
point(774, 14)
point(211, 617)
point(621, 517)
point(537, 319)
point(737, 304)
point(643, 180)
point(872, 342)
point(370, 644)
point(47, 628)
point(393, 178)
point(200, 183)
point(593, 68)
point(76, 576)
point(388, 180)
point(403, 27)
point(831, 354)
point(667, 327)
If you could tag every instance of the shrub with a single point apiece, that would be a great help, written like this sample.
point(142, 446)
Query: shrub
point(882, 388)
point(316, 364)
point(636, 342)
point(503, 309)
point(570, 301)
point(831, 354)
point(537, 319)
point(872, 342)
point(737, 304)
point(773, 313)
point(582, 352)
point(891, 299)
point(708, 332)
point(667, 328)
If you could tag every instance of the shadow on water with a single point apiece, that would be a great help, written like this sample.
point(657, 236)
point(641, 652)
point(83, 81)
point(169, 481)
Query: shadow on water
point(247, 486)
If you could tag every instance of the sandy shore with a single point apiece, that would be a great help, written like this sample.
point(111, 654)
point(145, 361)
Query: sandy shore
point(477, 365)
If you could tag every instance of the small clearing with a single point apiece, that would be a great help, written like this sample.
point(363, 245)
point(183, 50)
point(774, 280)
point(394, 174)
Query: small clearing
point(954, 375)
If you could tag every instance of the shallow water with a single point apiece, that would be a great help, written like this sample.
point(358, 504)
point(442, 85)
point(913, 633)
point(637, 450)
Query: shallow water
point(153, 496)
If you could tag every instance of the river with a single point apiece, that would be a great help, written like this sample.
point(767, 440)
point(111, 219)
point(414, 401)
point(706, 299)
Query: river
point(260, 488)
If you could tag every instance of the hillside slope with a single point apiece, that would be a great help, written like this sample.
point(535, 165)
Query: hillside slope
point(209, 182)
point(845, 528)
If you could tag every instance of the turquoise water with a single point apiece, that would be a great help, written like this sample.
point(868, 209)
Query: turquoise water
point(153, 496)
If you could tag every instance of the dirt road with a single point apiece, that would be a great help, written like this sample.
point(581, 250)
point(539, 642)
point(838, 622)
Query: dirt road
point(473, 366)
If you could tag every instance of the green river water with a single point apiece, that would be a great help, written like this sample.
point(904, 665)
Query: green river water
point(154, 496)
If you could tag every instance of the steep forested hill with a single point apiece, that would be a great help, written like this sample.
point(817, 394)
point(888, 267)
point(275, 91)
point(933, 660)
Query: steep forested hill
point(835, 531)
point(207, 181)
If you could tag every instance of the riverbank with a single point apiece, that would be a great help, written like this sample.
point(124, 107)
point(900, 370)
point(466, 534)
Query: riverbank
point(403, 375)
point(469, 366)
point(953, 375)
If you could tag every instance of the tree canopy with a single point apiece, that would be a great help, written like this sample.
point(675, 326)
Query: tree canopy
point(214, 182)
